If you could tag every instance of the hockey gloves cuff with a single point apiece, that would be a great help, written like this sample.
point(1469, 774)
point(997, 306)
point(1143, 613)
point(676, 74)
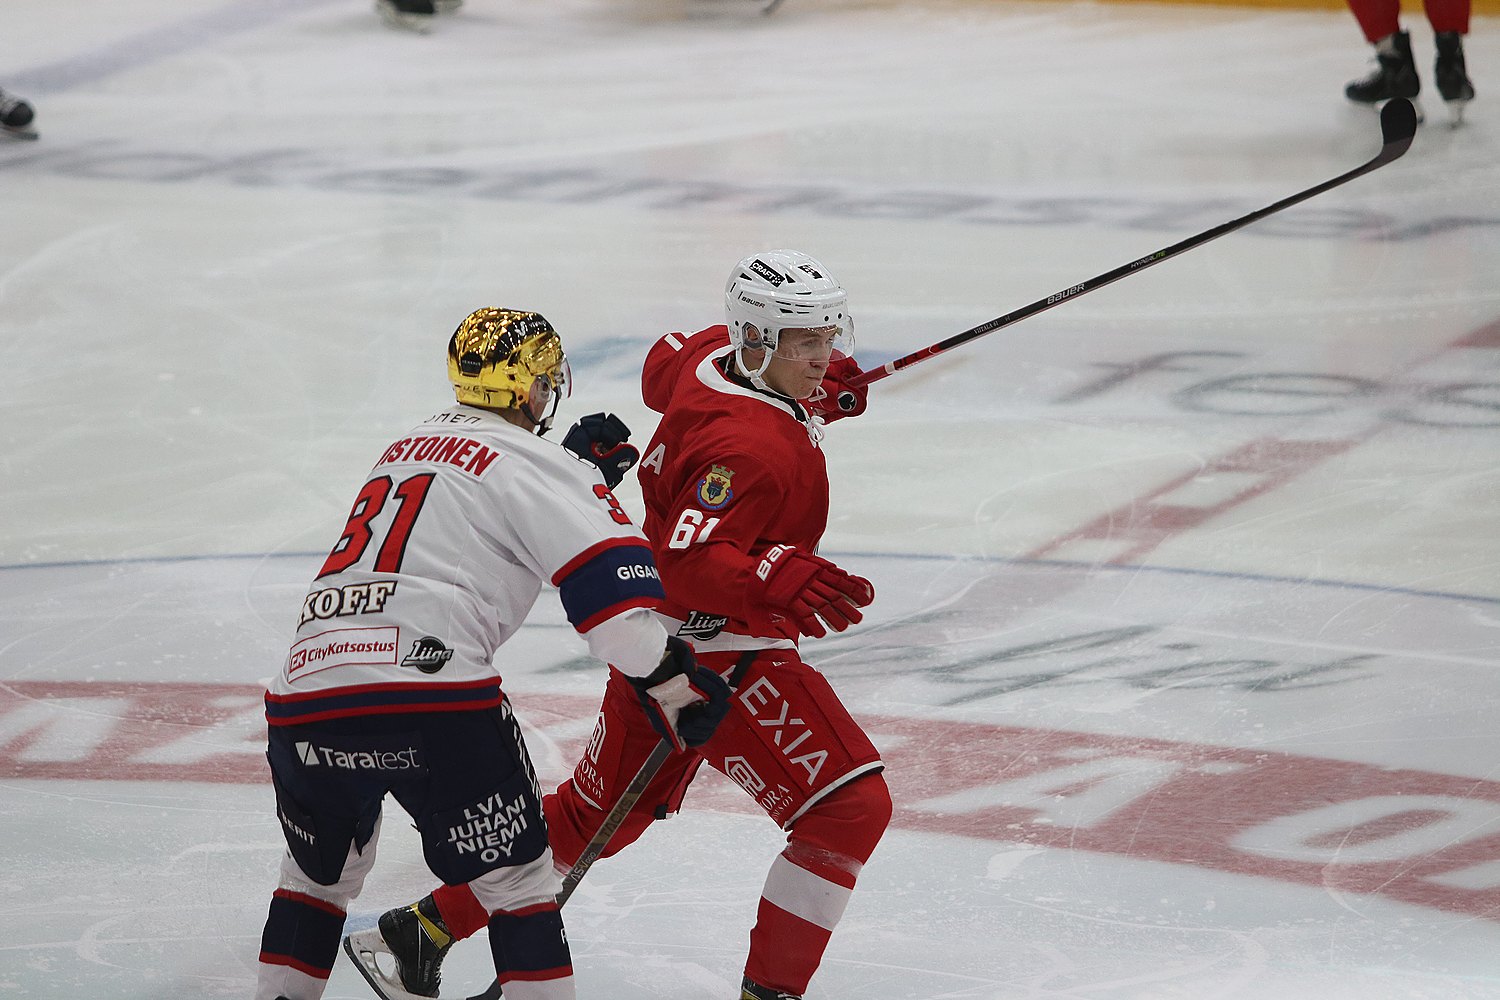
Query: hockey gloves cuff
point(836, 397)
point(804, 588)
point(601, 440)
point(684, 701)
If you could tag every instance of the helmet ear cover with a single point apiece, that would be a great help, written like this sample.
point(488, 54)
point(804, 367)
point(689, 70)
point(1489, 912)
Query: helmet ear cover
point(505, 358)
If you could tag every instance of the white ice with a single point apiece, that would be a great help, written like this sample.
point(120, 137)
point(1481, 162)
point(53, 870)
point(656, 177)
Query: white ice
point(1184, 661)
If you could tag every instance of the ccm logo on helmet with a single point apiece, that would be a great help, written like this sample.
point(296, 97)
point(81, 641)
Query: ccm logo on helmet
point(769, 559)
point(637, 571)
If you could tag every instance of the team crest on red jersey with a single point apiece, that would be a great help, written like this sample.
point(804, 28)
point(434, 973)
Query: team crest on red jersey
point(713, 489)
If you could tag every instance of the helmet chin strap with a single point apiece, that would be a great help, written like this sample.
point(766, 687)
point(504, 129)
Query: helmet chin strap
point(754, 376)
point(814, 422)
point(540, 426)
point(765, 361)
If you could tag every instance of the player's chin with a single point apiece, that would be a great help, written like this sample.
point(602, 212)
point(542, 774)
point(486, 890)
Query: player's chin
point(810, 383)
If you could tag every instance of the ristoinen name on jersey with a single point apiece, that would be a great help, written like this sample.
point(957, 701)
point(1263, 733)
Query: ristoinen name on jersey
point(447, 449)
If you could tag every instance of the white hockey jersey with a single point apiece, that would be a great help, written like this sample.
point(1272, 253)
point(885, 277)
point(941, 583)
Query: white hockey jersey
point(445, 551)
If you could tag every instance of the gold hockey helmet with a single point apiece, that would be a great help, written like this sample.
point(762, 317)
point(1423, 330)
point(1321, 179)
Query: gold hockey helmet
point(503, 358)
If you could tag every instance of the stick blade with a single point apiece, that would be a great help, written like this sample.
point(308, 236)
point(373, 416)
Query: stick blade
point(1398, 125)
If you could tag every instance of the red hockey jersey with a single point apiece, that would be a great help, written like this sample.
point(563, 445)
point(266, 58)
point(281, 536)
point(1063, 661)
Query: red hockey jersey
point(730, 472)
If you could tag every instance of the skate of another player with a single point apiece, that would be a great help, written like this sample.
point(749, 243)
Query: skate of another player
point(16, 117)
point(1241, 763)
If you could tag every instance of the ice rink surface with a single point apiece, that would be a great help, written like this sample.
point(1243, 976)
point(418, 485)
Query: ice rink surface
point(1184, 655)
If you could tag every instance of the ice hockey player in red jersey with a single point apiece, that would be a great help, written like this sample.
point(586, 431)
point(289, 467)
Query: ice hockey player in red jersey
point(389, 685)
point(736, 493)
point(1395, 72)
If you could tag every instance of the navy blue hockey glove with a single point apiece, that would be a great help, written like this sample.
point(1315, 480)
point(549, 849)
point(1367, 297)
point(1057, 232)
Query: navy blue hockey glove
point(684, 701)
point(601, 439)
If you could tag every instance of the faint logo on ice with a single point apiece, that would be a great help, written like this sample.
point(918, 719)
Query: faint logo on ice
point(1142, 658)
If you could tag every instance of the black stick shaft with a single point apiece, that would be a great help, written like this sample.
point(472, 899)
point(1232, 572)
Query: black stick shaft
point(1398, 124)
point(612, 821)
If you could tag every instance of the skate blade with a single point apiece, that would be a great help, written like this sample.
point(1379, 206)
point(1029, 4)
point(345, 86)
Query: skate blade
point(24, 134)
point(1456, 112)
point(417, 24)
point(447, 6)
point(363, 956)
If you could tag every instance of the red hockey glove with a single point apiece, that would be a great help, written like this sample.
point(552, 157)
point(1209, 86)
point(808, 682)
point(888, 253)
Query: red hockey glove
point(602, 440)
point(792, 584)
point(837, 398)
point(684, 701)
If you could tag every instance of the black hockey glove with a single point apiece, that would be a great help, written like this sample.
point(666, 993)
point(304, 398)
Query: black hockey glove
point(601, 439)
point(684, 701)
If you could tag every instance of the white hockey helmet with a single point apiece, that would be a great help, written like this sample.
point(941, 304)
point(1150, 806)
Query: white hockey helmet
point(781, 290)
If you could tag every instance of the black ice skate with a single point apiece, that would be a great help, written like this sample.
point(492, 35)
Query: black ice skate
point(1395, 76)
point(408, 15)
point(754, 991)
point(1451, 75)
point(16, 117)
point(413, 940)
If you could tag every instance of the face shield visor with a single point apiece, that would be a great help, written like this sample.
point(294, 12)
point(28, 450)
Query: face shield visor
point(814, 344)
point(542, 360)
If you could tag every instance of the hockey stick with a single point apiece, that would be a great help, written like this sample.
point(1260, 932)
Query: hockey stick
point(1398, 125)
point(603, 835)
point(617, 813)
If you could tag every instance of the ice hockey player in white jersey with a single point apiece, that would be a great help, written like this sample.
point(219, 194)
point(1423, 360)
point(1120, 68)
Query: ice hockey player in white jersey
point(390, 685)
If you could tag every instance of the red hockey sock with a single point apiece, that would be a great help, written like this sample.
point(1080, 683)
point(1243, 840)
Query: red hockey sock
point(810, 883)
point(460, 910)
point(1377, 18)
point(1448, 15)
